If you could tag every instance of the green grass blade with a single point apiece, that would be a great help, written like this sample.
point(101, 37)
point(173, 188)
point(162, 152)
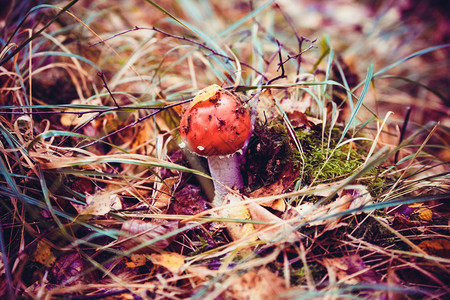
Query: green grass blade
point(418, 53)
point(27, 41)
point(60, 133)
point(367, 82)
point(251, 15)
point(71, 55)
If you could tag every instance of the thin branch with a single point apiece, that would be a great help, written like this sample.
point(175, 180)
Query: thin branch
point(280, 65)
point(201, 45)
point(137, 121)
point(403, 131)
point(102, 77)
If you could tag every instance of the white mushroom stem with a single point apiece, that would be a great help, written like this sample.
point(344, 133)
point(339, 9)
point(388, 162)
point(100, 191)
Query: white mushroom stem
point(225, 171)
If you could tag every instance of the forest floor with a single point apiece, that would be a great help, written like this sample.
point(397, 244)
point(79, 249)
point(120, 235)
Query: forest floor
point(345, 182)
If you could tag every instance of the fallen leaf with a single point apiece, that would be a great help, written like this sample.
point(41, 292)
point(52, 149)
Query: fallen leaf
point(138, 232)
point(136, 260)
point(76, 120)
point(414, 212)
point(99, 204)
point(271, 232)
point(70, 267)
point(438, 247)
point(44, 254)
point(287, 177)
point(237, 230)
point(308, 212)
point(188, 201)
point(205, 94)
point(143, 134)
point(320, 215)
point(163, 192)
point(349, 269)
point(260, 284)
point(425, 214)
point(171, 261)
point(295, 105)
point(417, 204)
point(266, 109)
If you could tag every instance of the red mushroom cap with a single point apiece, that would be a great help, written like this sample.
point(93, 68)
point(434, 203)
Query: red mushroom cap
point(215, 124)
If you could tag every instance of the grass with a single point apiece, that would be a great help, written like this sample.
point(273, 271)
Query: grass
point(98, 200)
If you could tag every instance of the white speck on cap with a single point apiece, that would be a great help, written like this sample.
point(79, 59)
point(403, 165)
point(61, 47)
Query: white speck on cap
point(201, 148)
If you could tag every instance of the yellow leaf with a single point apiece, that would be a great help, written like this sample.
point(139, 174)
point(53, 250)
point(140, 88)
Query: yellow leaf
point(439, 247)
point(136, 260)
point(279, 205)
point(169, 260)
point(43, 254)
point(425, 214)
point(205, 94)
point(237, 230)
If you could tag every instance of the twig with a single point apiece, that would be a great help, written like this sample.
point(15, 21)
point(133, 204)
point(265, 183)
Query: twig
point(136, 122)
point(280, 65)
point(184, 39)
point(102, 77)
point(100, 295)
point(300, 39)
point(403, 131)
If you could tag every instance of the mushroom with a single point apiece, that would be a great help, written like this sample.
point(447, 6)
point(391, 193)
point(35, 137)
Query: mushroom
point(216, 125)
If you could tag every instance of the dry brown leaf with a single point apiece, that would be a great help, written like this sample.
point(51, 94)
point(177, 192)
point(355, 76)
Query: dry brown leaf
point(276, 188)
point(99, 204)
point(278, 228)
point(74, 119)
point(138, 232)
point(188, 201)
point(266, 107)
point(311, 214)
point(439, 247)
point(349, 270)
point(70, 267)
point(261, 284)
point(424, 213)
point(144, 134)
point(164, 192)
point(294, 105)
point(314, 215)
point(287, 177)
point(171, 261)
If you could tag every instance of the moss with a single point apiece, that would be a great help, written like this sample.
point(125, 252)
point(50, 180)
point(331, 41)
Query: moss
point(323, 161)
point(298, 276)
point(326, 163)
